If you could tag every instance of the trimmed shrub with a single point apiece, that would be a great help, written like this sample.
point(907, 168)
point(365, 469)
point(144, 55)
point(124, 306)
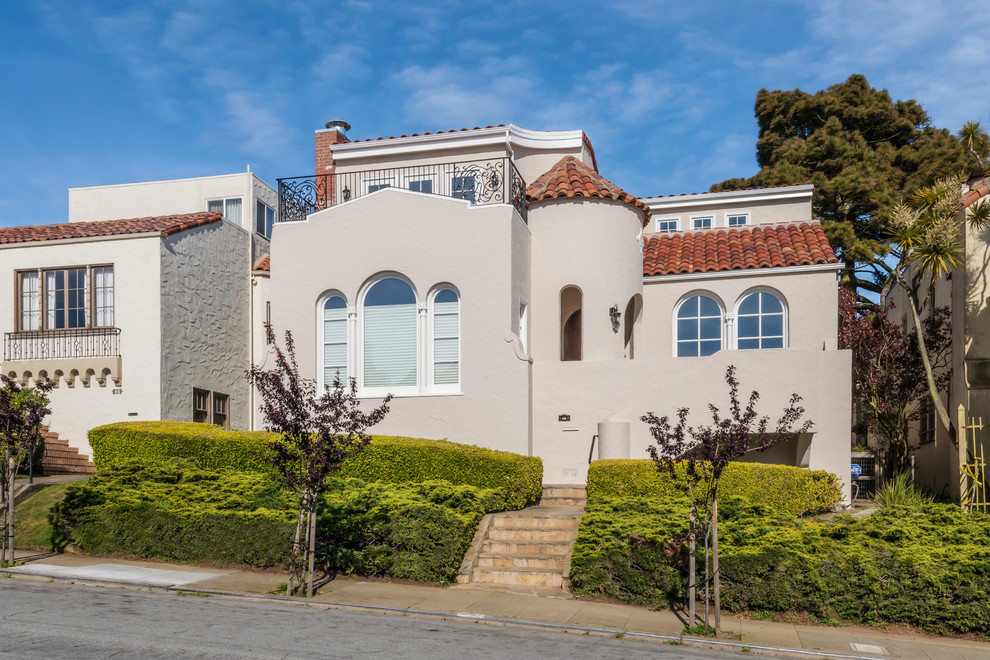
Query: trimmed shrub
point(400, 460)
point(793, 490)
point(180, 512)
point(926, 566)
point(387, 458)
point(210, 447)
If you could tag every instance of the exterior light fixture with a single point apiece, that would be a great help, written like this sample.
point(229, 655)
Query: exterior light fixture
point(615, 314)
point(346, 193)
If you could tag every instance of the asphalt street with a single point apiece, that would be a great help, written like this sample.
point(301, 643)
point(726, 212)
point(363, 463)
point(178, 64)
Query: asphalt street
point(55, 620)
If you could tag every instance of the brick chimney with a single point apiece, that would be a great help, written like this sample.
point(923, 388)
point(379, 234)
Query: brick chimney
point(334, 133)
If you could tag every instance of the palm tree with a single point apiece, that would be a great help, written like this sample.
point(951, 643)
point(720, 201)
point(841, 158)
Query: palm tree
point(926, 243)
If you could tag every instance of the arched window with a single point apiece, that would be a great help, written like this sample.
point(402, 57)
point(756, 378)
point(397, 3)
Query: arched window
point(334, 340)
point(699, 327)
point(570, 324)
point(389, 354)
point(445, 320)
point(760, 321)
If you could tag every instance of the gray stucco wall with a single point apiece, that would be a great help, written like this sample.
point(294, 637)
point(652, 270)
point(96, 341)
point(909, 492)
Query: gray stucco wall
point(205, 303)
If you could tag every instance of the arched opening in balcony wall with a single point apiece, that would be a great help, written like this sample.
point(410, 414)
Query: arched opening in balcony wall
point(630, 319)
point(570, 323)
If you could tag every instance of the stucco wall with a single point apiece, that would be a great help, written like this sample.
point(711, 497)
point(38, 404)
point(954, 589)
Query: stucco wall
point(429, 240)
point(765, 211)
point(593, 245)
point(810, 299)
point(205, 336)
point(137, 313)
point(624, 390)
point(132, 200)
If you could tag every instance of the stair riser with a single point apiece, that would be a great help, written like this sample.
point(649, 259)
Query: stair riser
point(563, 501)
point(560, 549)
point(519, 522)
point(535, 535)
point(565, 492)
point(555, 564)
point(512, 578)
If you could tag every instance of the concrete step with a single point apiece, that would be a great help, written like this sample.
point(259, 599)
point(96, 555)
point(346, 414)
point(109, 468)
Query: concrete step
point(558, 547)
point(565, 490)
point(529, 577)
point(531, 523)
point(60, 458)
point(518, 561)
point(522, 535)
point(565, 501)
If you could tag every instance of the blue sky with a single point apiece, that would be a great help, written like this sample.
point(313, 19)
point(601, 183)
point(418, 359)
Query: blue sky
point(109, 92)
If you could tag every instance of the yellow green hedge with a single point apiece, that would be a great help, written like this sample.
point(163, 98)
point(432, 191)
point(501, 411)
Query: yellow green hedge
point(387, 458)
point(783, 488)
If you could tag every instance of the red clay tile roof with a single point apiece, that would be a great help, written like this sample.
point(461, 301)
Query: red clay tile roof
point(976, 191)
point(572, 178)
point(769, 246)
point(169, 224)
point(264, 264)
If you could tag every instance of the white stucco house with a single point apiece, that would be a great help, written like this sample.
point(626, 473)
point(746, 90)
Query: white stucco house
point(143, 318)
point(509, 296)
point(491, 279)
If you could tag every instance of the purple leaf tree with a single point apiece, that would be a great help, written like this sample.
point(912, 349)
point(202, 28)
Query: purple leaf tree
point(704, 452)
point(316, 432)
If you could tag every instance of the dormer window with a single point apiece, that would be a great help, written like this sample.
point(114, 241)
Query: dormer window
point(667, 224)
point(737, 219)
point(702, 222)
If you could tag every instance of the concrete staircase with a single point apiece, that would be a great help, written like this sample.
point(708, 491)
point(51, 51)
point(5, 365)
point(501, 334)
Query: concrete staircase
point(60, 458)
point(527, 549)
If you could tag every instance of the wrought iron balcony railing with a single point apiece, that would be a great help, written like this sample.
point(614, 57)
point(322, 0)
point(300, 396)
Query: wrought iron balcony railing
point(490, 181)
point(61, 344)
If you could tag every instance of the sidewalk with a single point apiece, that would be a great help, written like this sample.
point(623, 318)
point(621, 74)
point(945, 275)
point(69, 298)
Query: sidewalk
point(549, 608)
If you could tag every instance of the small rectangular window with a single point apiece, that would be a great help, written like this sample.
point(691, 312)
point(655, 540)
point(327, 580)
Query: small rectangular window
point(264, 219)
point(737, 219)
point(201, 406)
point(220, 416)
point(462, 187)
point(230, 207)
point(374, 187)
point(421, 185)
point(704, 222)
point(667, 224)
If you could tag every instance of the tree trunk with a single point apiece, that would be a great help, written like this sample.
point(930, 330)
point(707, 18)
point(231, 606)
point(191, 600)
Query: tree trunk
point(294, 554)
point(11, 471)
point(692, 573)
point(312, 544)
point(718, 592)
point(943, 414)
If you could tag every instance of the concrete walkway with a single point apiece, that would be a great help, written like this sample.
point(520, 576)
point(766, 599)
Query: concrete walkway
point(550, 608)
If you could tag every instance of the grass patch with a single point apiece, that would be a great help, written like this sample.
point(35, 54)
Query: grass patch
point(32, 528)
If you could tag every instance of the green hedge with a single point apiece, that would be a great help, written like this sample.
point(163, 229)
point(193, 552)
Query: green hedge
point(388, 459)
point(926, 566)
point(793, 490)
point(180, 512)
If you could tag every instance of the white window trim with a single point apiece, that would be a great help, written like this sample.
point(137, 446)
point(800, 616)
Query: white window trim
point(695, 218)
point(378, 392)
point(675, 220)
point(433, 177)
point(677, 308)
point(430, 387)
point(744, 214)
point(367, 182)
point(735, 313)
point(321, 383)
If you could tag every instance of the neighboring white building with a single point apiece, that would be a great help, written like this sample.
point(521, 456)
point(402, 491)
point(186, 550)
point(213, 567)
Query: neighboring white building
point(144, 319)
